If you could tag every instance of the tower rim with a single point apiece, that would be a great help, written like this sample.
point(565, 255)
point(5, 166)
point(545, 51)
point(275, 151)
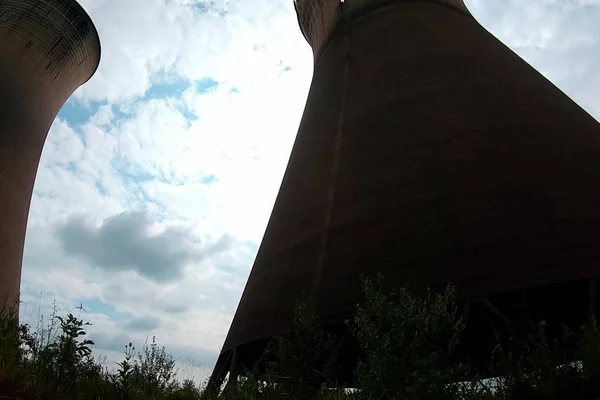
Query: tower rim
point(95, 34)
point(332, 14)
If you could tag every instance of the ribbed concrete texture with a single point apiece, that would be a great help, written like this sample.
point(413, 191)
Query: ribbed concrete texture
point(48, 48)
point(431, 152)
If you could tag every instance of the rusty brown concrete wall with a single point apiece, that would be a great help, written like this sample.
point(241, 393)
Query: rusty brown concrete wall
point(319, 20)
point(430, 151)
point(48, 48)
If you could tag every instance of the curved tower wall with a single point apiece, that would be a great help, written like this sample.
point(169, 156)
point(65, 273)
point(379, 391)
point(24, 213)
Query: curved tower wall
point(48, 48)
point(320, 20)
point(429, 151)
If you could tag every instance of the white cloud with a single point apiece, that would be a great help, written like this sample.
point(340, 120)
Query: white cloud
point(149, 40)
point(560, 38)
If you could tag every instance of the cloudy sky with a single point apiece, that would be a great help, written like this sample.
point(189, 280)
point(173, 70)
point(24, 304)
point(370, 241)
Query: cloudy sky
point(158, 176)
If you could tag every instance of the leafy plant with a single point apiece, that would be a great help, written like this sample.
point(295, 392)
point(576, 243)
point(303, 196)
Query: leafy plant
point(122, 378)
point(301, 356)
point(407, 341)
point(154, 370)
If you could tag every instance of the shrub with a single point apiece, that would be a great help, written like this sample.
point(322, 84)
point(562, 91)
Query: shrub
point(407, 341)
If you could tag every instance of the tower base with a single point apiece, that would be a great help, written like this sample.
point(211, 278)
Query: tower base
point(499, 319)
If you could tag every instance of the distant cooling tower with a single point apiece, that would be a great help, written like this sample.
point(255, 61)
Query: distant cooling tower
point(431, 152)
point(48, 48)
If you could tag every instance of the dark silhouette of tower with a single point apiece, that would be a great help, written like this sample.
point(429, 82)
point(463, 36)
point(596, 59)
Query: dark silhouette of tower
point(47, 50)
point(429, 151)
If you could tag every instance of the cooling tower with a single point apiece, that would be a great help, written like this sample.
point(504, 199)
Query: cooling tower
point(48, 48)
point(428, 151)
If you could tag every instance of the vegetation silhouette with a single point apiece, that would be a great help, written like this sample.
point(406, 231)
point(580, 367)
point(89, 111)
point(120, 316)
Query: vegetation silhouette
point(407, 342)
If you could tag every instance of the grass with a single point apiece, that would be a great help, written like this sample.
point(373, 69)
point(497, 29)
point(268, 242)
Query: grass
point(407, 342)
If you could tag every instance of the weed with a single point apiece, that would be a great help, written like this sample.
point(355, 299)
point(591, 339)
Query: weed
point(407, 342)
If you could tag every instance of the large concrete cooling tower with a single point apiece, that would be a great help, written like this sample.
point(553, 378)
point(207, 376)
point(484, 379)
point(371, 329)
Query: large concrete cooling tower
point(431, 152)
point(48, 48)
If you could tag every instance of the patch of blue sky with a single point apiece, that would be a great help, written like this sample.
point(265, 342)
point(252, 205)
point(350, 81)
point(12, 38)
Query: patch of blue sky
point(130, 172)
point(76, 113)
point(286, 68)
point(100, 188)
point(209, 179)
point(167, 88)
point(120, 112)
point(71, 167)
point(137, 176)
point(133, 178)
point(202, 6)
point(209, 6)
point(96, 306)
point(174, 88)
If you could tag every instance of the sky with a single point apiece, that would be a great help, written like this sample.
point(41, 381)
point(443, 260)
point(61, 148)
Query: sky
point(158, 176)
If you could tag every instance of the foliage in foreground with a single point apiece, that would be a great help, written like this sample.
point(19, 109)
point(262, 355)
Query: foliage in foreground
point(407, 342)
point(56, 362)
